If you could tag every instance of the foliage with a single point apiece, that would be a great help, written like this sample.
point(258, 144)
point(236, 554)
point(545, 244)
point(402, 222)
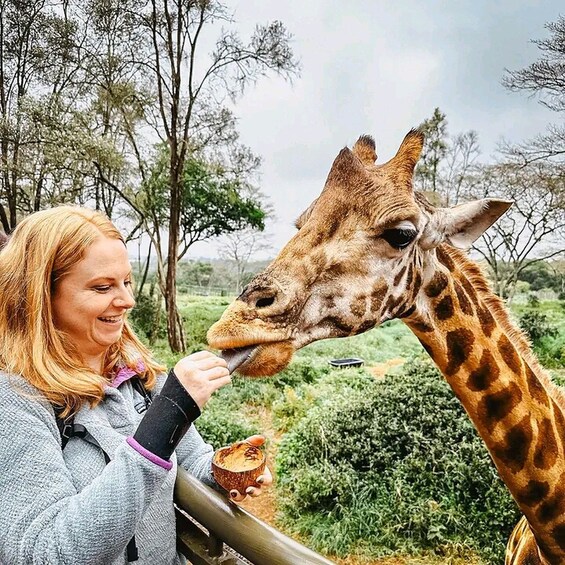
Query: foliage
point(146, 317)
point(212, 201)
point(536, 325)
point(392, 466)
point(434, 151)
point(543, 78)
point(542, 275)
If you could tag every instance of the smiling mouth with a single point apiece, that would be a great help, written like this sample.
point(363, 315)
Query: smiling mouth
point(238, 356)
point(111, 320)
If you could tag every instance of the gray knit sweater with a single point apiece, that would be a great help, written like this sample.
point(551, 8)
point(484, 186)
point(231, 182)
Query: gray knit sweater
point(69, 507)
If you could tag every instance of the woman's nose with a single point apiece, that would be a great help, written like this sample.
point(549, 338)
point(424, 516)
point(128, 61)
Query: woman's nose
point(125, 298)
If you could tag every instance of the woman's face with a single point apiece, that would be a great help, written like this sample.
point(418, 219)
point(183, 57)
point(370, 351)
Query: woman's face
point(89, 302)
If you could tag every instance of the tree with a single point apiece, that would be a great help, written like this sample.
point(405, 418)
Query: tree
point(460, 164)
point(240, 247)
point(546, 79)
point(190, 91)
point(29, 61)
point(427, 172)
point(212, 203)
point(447, 162)
point(532, 230)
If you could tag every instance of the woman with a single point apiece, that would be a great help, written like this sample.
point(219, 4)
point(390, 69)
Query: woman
point(66, 350)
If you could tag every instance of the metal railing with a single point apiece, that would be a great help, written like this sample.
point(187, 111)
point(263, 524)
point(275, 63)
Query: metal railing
point(226, 523)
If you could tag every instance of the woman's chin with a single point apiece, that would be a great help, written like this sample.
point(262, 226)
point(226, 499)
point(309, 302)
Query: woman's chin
point(268, 360)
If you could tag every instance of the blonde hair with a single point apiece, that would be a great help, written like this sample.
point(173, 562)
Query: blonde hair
point(42, 250)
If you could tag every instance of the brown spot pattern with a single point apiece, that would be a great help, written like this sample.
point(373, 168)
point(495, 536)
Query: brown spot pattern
point(546, 450)
point(559, 535)
point(509, 355)
point(459, 344)
point(366, 325)
point(444, 308)
point(534, 493)
point(496, 406)
point(358, 306)
point(393, 302)
point(436, 286)
point(417, 283)
point(551, 508)
point(445, 259)
point(377, 296)
point(513, 451)
point(421, 327)
point(488, 323)
point(535, 388)
point(399, 276)
point(485, 374)
point(464, 302)
point(409, 275)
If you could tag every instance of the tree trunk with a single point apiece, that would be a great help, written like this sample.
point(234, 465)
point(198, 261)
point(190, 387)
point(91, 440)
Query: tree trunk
point(174, 325)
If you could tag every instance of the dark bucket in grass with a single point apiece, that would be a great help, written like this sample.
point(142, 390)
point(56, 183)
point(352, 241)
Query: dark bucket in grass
point(347, 362)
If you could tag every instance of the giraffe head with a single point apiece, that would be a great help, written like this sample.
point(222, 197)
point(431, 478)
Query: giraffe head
point(362, 251)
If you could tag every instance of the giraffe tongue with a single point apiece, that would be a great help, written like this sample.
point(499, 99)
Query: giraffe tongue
point(237, 357)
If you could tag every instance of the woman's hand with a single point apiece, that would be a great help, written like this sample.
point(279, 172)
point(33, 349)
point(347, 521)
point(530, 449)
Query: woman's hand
point(201, 374)
point(264, 480)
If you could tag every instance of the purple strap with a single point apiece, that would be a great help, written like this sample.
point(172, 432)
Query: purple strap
point(168, 465)
point(125, 373)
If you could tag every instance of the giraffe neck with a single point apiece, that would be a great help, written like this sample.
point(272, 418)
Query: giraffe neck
point(492, 371)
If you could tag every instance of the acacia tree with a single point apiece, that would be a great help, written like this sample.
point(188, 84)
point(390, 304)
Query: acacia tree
point(239, 247)
point(427, 173)
point(532, 230)
point(546, 79)
point(447, 161)
point(190, 91)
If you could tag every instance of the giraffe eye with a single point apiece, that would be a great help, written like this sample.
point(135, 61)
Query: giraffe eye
point(399, 238)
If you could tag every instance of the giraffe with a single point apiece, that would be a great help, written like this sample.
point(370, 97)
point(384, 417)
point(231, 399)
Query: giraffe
point(370, 249)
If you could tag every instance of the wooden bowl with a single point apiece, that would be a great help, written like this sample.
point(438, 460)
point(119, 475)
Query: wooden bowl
point(238, 466)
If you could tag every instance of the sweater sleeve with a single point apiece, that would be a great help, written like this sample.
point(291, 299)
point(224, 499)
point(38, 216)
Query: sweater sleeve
point(44, 519)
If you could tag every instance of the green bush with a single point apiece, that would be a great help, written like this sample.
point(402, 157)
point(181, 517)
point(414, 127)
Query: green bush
point(393, 466)
point(148, 319)
point(537, 325)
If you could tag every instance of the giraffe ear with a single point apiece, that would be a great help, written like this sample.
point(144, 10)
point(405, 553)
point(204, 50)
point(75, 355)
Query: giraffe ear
point(462, 225)
point(305, 215)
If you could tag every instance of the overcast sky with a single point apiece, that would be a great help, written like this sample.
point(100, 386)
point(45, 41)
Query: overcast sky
point(380, 68)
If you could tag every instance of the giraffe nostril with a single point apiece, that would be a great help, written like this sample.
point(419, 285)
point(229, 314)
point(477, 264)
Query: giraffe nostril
point(264, 302)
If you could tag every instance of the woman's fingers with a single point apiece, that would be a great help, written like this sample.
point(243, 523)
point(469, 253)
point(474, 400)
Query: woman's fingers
point(266, 479)
point(219, 383)
point(210, 363)
point(215, 373)
point(256, 440)
point(200, 355)
point(236, 496)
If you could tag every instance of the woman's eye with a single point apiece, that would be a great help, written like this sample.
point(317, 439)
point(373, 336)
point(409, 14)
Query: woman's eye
point(399, 238)
point(102, 288)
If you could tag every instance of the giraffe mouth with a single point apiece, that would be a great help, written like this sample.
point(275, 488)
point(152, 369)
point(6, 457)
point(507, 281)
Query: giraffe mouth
point(238, 356)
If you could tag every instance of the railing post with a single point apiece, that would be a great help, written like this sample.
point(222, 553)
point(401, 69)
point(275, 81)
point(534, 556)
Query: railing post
point(215, 545)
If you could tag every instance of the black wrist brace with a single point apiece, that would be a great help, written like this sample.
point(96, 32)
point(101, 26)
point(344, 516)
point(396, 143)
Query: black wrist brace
point(167, 419)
